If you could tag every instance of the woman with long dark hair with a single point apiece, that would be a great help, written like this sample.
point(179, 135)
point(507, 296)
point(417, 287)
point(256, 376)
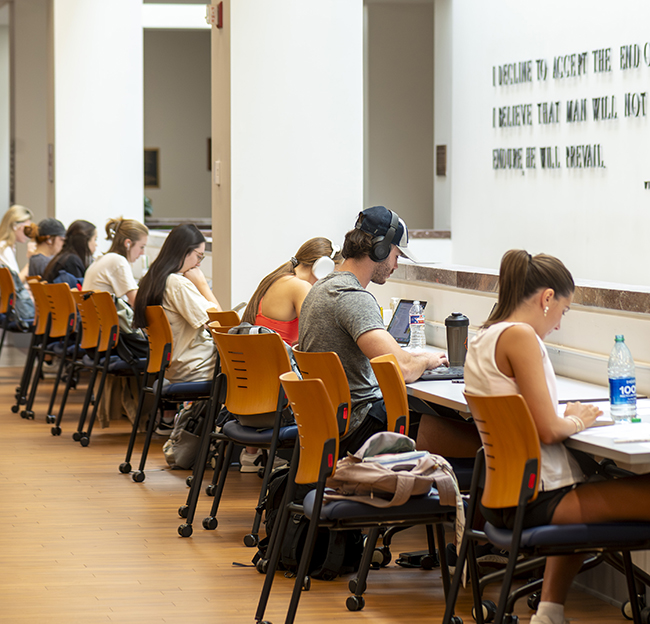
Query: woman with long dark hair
point(277, 301)
point(507, 356)
point(176, 282)
point(71, 262)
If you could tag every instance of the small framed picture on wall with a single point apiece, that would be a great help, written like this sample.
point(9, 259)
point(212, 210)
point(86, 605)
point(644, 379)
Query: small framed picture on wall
point(152, 167)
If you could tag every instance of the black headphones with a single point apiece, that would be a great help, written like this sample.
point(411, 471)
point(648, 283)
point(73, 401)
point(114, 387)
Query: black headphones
point(381, 244)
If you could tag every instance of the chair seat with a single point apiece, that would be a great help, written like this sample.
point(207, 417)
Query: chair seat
point(250, 436)
point(186, 388)
point(120, 366)
point(603, 534)
point(417, 508)
point(58, 349)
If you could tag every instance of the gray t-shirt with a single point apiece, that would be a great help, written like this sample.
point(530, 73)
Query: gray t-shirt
point(334, 314)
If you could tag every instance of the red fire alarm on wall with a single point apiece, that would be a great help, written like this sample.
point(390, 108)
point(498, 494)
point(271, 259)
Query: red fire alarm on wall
point(214, 15)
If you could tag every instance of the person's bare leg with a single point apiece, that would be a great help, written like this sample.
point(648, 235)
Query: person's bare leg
point(446, 437)
point(559, 573)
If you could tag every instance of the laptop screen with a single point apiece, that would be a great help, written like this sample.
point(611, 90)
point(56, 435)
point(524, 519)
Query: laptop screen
point(398, 327)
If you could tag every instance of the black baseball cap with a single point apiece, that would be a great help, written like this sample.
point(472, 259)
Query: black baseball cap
point(377, 221)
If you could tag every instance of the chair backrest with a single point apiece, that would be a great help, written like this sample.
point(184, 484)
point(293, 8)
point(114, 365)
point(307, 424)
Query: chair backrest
point(89, 319)
point(510, 440)
point(109, 322)
point(7, 290)
point(317, 427)
point(252, 364)
point(391, 382)
point(327, 367)
point(225, 318)
point(161, 341)
point(41, 306)
point(62, 309)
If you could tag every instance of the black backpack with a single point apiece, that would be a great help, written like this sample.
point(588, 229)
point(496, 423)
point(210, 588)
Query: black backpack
point(335, 552)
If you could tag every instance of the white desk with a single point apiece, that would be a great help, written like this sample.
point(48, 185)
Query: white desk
point(450, 393)
point(621, 442)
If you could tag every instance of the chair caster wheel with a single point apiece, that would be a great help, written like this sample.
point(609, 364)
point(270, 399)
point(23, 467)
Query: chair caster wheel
point(456, 620)
point(262, 566)
point(188, 481)
point(428, 562)
point(533, 601)
point(355, 588)
point(182, 511)
point(138, 476)
point(306, 583)
point(49, 419)
point(185, 530)
point(76, 436)
point(210, 523)
point(251, 540)
point(511, 619)
point(489, 610)
point(28, 414)
point(210, 489)
point(22, 400)
point(84, 440)
point(125, 467)
point(645, 615)
point(14, 409)
point(56, 431)
point(355, 603)
point(381, 556)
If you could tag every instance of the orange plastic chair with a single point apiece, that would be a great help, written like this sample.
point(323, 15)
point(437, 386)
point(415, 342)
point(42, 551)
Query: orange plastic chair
point(318, 436)
point(327, 367)
point(161, 345)
point(251, 365)
point(34, 356)
point(7, 300)
point(391, 382)
point(225, 318)
point(509, 462)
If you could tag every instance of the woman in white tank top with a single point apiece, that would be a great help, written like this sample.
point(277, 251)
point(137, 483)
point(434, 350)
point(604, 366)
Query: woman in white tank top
point(508, 356)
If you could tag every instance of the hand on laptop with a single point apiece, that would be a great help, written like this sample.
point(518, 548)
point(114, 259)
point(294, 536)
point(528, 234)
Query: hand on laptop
point(436, 360)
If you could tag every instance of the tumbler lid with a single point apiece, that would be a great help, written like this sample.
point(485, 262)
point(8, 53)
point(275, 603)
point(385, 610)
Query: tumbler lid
point(456, 319)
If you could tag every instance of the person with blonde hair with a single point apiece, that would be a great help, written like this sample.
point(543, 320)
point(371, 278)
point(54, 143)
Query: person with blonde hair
point(277, 301)
point(12, 231)
point(49, 236)
point(113, 272)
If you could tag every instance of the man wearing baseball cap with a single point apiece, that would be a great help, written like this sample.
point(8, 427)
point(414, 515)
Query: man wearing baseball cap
point(340, 315)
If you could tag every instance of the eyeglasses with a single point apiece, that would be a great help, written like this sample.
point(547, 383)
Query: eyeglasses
point(199, 255)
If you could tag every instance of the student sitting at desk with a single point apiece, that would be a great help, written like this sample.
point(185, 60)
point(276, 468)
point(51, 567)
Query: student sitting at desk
point(340, 315)
point(508, 357)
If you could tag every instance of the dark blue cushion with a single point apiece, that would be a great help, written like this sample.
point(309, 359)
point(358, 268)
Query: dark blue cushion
point(58, 349)
point(120, 366)
point(573, 534)
point(417, 508)
point(250, 436)
point(187, 388)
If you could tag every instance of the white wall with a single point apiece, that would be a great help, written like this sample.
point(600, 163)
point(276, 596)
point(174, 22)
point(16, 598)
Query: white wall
point(399, 107)
point(596, 220)
point(177, 119)
point(296, 131)
point(98, 109)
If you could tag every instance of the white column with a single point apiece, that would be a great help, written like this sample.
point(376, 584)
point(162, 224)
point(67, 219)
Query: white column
point(289, 136)
point(98, 110)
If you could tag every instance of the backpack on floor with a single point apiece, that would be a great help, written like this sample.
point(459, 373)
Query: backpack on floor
point(335, 552)
point(181, 449)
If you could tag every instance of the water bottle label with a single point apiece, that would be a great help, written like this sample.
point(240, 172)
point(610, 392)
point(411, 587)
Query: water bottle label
point(416, 319)
point(622, 391)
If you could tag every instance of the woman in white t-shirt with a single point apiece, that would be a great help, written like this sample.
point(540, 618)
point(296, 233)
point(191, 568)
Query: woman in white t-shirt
point(176, 282)
point(12, 231)
point(112, 272)
point(507, 356)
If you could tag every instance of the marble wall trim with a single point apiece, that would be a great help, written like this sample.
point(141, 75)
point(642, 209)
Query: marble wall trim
point(609, 297)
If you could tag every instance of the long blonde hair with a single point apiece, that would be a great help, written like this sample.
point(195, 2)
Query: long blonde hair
point(15, 214)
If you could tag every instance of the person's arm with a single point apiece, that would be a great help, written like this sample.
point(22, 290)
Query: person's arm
point(130, 296)
point(518, 355)
point(197, 278)
point(379, 342)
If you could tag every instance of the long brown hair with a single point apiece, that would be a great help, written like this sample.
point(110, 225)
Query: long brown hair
point(521, 275)
point(120, 230)
point(308, 253)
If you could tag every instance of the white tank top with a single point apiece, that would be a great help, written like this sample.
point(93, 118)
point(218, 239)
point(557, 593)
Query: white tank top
point(483, 377)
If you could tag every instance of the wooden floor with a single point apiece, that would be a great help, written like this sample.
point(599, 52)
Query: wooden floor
point(81, 542)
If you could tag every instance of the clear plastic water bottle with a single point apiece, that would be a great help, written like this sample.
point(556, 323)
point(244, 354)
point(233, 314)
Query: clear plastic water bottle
point(417, 339)
point(622, 382)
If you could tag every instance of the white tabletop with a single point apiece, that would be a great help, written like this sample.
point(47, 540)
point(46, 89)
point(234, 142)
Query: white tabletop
point(450, 393)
